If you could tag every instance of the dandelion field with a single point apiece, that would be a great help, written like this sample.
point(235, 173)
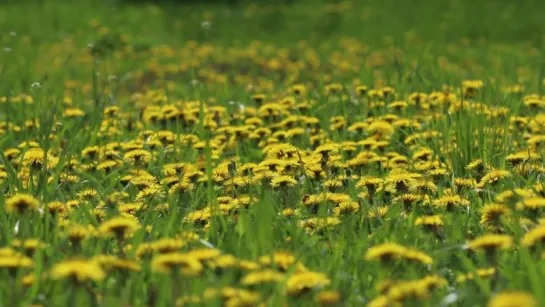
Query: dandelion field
point(307, 153)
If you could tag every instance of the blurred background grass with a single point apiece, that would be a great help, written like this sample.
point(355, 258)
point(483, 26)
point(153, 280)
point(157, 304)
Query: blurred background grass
point(289, 20)
point(475, 35)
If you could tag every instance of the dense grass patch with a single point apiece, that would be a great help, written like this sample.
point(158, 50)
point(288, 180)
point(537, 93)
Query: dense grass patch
point(344, 153)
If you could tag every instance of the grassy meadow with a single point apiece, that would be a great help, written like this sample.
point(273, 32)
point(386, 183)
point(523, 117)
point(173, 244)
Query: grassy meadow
point(272, 153)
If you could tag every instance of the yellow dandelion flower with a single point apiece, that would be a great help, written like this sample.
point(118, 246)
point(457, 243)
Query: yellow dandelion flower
point(21, 203)
point(167, 245)
point(289, 212)
point(88, 194)
point(7, 251)
point(377, 212)
point(399, 181)
point(223, 262)
point(108, 165)
point(417, 289)
point(262, 277)
point(432, 222)
point(450, 202)
point(393, 251)
point(461, 183)
point(15, 261)
point(532, 203)
point(381, 130)
point(398, 105)
point(73, 112)
point(481, 273)
point(385, 252)
point(491, 242)
point(513, 299)
point(171, 262)
point(153, 191)
point(34, 157)
point(382, 301)
point(332, 89)
point(29, 245)
point(119, 226)
point(78, 270)
point(305, 281)
point(494, 215)
point(77, 233)
point(346, 208)
point(204, 254)
point(282, 260)
point(238, 297)
point(283, 181)
point(138, 156)
point(182, 186)
point(534, 236)
point(477, 165)
point(494, 176)
point(418, 256)
point(57, 208)
point(12, 153)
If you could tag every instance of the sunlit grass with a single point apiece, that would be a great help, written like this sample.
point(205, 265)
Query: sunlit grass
point(309, 154)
